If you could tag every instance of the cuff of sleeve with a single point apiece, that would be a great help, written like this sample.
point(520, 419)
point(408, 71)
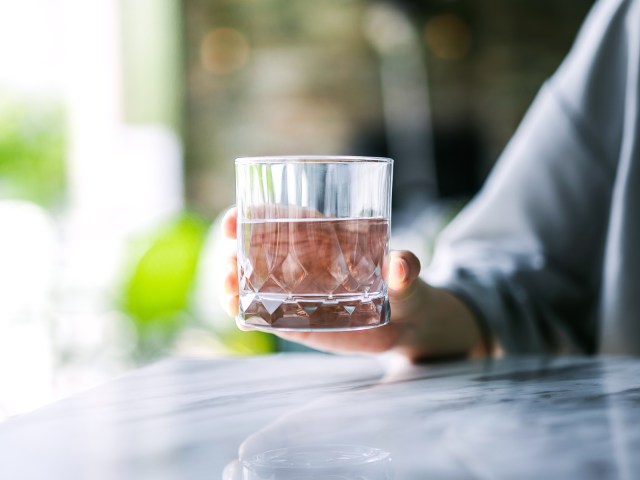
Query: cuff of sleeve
point(489, 339)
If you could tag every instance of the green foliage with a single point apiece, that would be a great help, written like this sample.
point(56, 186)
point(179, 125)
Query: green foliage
point(157, 295)
point(32, 150)
point(248, 343)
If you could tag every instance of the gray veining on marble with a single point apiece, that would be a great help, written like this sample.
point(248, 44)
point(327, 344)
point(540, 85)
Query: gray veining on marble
point(286, 416)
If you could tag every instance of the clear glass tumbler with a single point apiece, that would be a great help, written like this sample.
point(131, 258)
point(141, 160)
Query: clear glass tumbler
point(313, 242)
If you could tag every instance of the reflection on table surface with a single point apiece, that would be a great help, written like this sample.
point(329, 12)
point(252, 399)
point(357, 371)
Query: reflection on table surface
point(317, 416)
point(336, 461)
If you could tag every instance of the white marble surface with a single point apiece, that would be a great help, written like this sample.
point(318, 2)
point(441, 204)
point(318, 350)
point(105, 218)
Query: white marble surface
point(339, 418)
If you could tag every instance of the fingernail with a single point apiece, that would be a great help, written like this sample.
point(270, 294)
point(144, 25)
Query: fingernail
point(399, 271)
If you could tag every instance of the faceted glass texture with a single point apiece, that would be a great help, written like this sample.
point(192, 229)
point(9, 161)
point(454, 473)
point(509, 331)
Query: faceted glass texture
point(313, 273)
point(313, 240)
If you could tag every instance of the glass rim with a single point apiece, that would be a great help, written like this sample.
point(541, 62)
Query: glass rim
point(284, 159)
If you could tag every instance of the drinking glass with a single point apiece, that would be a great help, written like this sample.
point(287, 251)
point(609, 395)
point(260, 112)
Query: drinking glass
point(313, 242)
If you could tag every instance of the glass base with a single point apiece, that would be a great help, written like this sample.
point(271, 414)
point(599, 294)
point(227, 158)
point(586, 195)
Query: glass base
point(308, 329)
point(312, 313)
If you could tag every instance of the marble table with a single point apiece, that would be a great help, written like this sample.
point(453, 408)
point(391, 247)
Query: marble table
point(312, 416)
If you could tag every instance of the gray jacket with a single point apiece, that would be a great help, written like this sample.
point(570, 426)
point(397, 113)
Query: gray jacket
point(548, 254)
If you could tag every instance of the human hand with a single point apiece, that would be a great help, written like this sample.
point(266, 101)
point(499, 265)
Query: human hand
point(424, 321)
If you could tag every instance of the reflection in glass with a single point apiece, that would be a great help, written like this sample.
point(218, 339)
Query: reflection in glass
point(320, 462)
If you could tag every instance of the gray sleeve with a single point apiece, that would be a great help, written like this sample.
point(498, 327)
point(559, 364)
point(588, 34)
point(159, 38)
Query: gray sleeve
point(526, 254)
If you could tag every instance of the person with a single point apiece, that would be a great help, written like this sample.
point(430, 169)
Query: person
point(546, 258)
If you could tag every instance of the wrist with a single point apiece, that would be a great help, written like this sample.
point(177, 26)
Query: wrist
point(437, 323)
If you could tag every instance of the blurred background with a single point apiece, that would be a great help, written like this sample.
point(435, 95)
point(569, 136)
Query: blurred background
point(120, 122)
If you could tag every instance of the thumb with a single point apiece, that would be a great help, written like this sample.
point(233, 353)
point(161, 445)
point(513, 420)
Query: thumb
point(403, 270)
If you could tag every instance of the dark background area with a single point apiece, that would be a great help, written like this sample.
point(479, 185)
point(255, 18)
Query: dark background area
point(303, 77)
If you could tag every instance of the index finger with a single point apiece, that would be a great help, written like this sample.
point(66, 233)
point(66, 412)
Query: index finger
point(229, 223)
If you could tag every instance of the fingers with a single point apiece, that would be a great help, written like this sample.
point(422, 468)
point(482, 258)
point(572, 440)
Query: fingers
point(230, 287)
point(232, 306)
point(229, 297)
point(375, 340)
point(230, 284)
point(229, 223)
point(231, 290)
point(403, 270)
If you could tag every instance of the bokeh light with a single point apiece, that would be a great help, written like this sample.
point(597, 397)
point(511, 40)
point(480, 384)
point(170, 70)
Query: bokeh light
point(224, 50)
point(448, 37)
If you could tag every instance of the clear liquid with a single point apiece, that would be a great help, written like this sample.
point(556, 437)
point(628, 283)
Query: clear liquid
point(313, 273)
